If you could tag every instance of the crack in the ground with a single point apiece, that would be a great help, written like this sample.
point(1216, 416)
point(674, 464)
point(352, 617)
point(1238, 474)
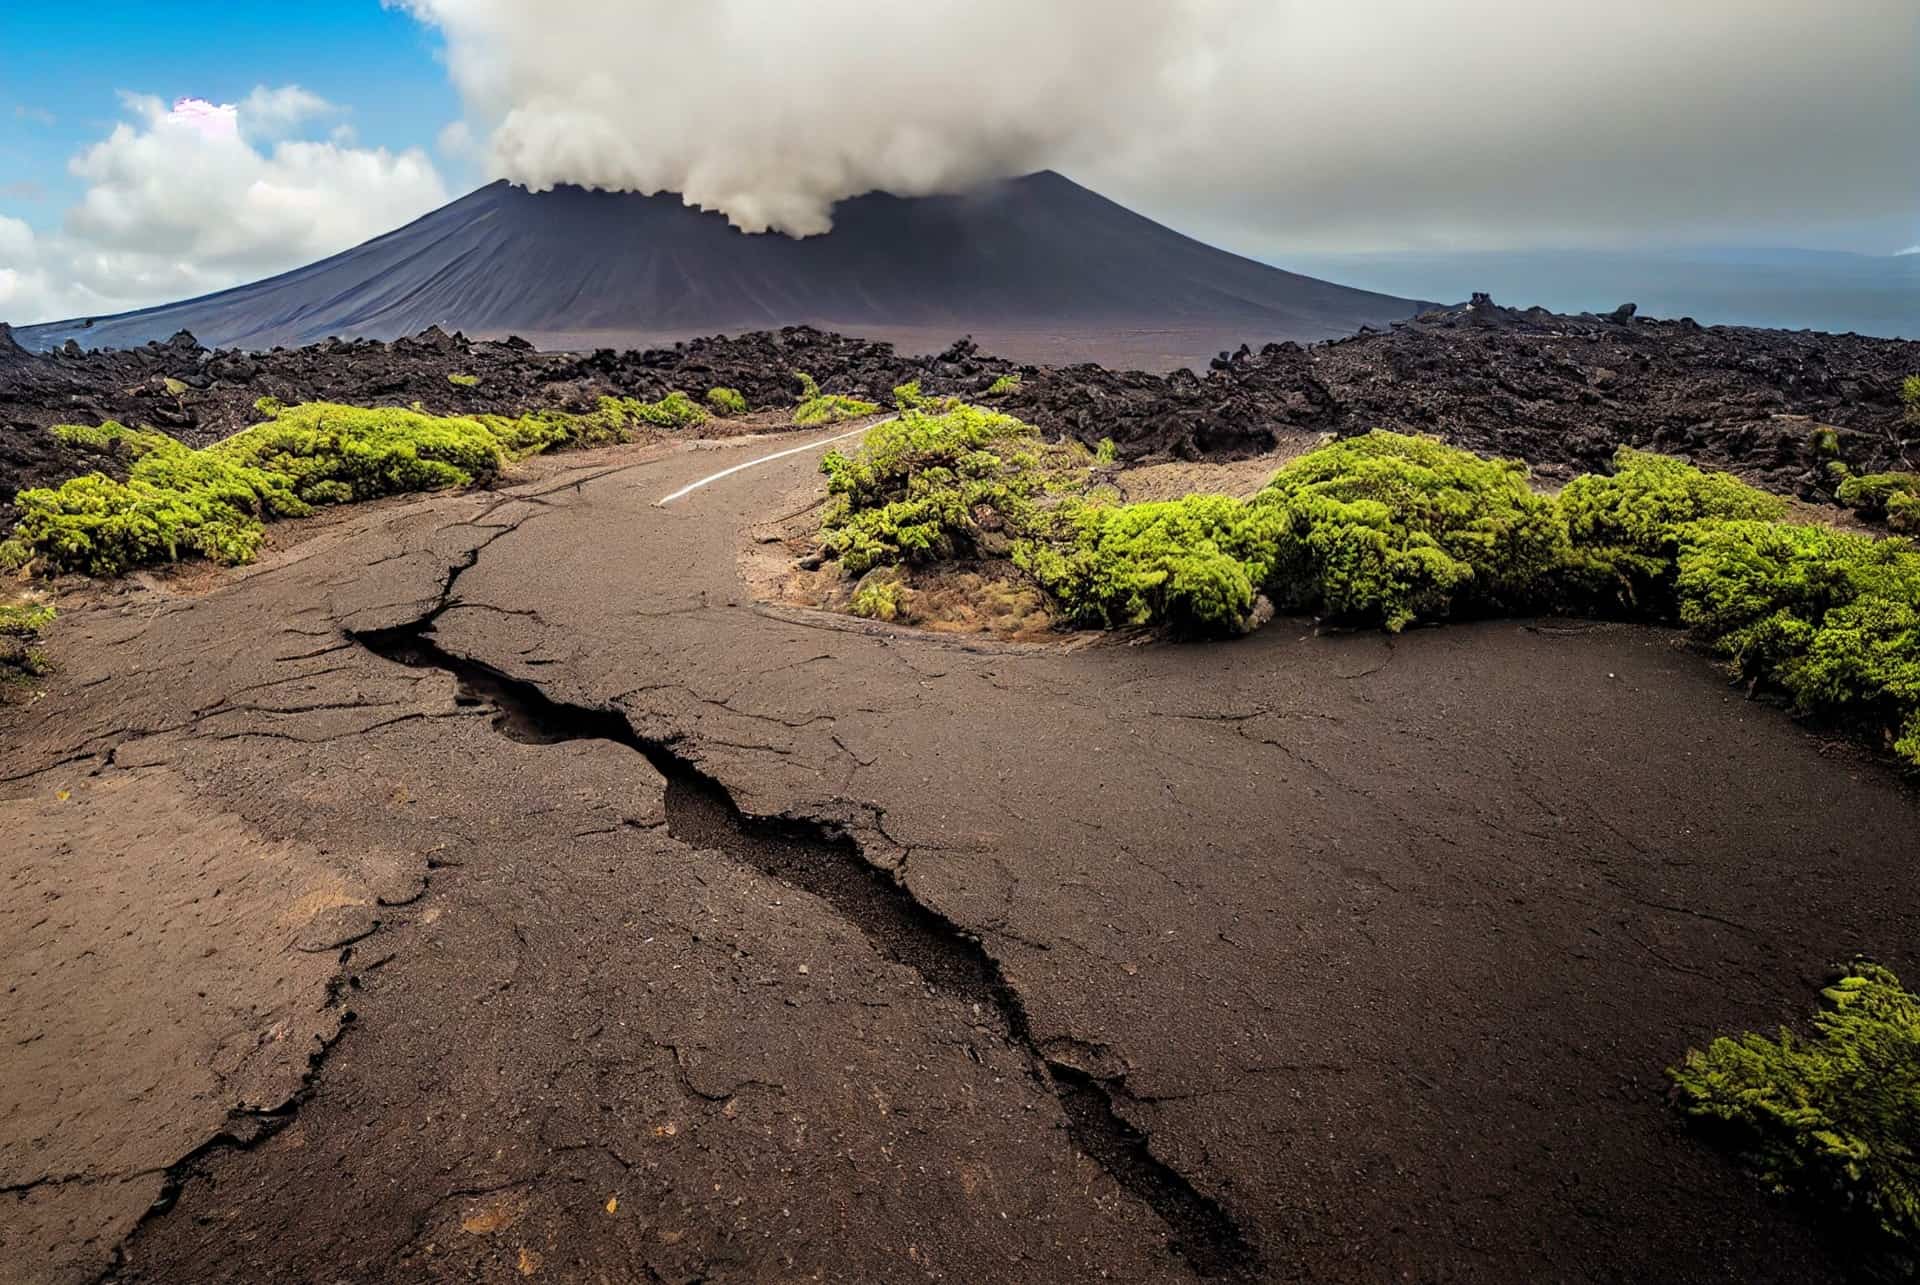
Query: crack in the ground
point(826, 861)
point(245, 1127)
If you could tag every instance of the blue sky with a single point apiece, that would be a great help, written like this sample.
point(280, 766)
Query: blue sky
point(380, 64)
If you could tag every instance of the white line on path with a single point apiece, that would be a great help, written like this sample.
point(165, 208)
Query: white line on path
point(691, 487)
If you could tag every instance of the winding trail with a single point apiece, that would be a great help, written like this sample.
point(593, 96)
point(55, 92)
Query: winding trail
point(489, 889)
point(711, 478)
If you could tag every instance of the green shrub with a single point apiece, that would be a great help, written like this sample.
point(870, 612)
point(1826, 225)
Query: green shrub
point(818, 408)
point(112, 438)
point(1910, 394)
point(1107, 452)
point(908, 396)
point(21, 660)
point(330, 453)
point(24, 619)
point(727, 401)
point(1626, 528)
point(1194, 563)
point(213, 503)
point(1826, 443)
point(920, 487)
point(174, 387)
point(880, 599)
point(675, 410)
point(612, 422)
point(1004, 385)
point(1889, 497)
point(1390, 529)
point(464, 381)
point(831, 408)
point(269, 407)
point(1834, 1118)
point(177, 503)
point(1829, 617)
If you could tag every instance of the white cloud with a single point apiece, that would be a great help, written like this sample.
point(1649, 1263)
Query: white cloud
point(1912, 249)
point(188, 199)
point(273, 113)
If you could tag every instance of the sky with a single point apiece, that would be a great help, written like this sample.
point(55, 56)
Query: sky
point(158, 150)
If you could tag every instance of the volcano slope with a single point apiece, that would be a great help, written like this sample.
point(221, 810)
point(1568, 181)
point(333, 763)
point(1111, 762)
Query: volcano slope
point(1039, 264)
point(676, 937)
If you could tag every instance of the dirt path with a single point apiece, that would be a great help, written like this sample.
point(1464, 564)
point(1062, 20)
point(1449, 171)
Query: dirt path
point(1332, 958)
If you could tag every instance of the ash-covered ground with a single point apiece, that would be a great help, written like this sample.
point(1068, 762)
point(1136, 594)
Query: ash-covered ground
point(1561, 392)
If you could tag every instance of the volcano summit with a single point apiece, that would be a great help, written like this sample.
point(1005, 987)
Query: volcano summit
point(1038, 267)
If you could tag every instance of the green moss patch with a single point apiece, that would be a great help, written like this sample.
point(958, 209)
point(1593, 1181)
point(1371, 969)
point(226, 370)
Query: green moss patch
point(727, 401)
point(22, 662)
point(817, 408)
point(832, 408)
point(1893, 498)
point(1626, 528)
point(214, 502)
point(1834, 1118)
point(930, 486)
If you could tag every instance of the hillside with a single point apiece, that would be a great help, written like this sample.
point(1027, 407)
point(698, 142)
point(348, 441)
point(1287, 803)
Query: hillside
point(1054, 271)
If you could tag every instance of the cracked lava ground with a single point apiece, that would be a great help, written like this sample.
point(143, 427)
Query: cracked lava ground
point(487, 887)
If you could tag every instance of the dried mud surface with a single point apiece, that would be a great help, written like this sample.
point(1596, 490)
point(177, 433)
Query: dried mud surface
point(673, 936)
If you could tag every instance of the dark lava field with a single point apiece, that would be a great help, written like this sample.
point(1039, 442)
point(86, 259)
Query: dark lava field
point(1561, 392)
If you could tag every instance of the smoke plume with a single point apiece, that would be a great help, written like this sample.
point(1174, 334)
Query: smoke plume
point(771, 111)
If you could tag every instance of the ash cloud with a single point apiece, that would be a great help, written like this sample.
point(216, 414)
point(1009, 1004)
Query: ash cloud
point(1392, 124)
point(771, 111)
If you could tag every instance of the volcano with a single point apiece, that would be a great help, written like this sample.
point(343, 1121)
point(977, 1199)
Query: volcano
point(1037, 267)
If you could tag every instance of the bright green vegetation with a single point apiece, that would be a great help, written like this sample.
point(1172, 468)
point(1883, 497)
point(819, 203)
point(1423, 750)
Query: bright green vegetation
point(464, 381)
point(726, 401)
point(1004, 385)
point(831, 408)
point(112, 438)
point(908, 396)
point(1107, 452)
point(1381, 530)
point(817, 408)
point(1893, 498)
point(1193, 563)
point(1910, 394)
point(928, 486)
point(675, 410)
point(878, 599)
point(1830, 617)
point(21, 660)
point(1388, 530)
point(213, 503)
point(1626, 528)
point(1834, 1118)
point(174, 387)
